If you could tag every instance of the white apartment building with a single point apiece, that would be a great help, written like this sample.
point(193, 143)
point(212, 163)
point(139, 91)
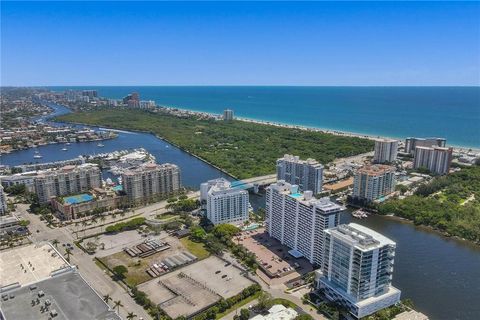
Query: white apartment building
point(385, 151)
point(357, 269)
point(228, 115)
point(66, 180)
point(150, 180)
point(436, 159)
point(3, 202)
point(372, 182)
point(298, 220)
point(412, 143)
point(222, 203)
point(306, 174)
point(25, 178)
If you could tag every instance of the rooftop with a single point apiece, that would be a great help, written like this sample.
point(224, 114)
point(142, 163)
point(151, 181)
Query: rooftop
point(28, 264)
point(66, 294)
point(361, 237)
point(376, 169)
point(306, 198)
point(79, 198)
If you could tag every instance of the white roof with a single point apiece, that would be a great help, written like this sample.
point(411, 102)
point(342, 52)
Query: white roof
point(377, 236)
point(277, 312)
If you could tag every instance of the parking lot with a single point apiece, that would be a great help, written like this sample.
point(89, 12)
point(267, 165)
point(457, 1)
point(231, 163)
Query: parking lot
point(196, 286)
point(276, 265)
point(136, 266)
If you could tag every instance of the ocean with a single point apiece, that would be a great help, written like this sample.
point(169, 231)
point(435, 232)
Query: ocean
point(397, 112)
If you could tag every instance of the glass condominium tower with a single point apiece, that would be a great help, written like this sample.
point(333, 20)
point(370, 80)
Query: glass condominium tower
point(357, 269)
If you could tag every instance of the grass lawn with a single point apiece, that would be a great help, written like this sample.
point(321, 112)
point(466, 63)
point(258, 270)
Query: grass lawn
point(196, 248)
point(136, 266)
point(238, 305)
point(165, 216)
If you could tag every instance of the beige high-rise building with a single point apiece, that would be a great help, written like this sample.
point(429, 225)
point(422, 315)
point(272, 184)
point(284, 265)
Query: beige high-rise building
point(67, 180)
point(150, 180)
point(436, 159)
point(412, 143)
point(385, 151)
point(373, 181)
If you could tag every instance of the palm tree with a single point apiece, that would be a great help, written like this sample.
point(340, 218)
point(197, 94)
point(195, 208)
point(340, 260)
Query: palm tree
point(68, 252)
point(84, 225)
point(131, 315)
point(55, 242)
point(102, 219)
point(107, 298)
point(117, 304)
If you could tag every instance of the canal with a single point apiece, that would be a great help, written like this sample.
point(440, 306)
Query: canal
point(441, 275)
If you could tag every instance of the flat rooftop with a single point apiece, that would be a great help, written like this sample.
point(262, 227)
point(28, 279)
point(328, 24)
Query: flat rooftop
point(79, 198)
point(29, 264)
point(361, 237)
point(67, 294)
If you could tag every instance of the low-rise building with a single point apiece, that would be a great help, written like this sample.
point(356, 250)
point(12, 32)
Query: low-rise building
point(19, 179)
point(74, 207)
point(39, 273)
point(222, 203)
point(277, 312)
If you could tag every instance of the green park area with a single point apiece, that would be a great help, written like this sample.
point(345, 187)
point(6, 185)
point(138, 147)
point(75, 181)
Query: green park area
point(243, 149)
point(450, 204)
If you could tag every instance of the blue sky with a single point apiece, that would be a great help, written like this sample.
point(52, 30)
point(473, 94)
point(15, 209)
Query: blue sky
point(230, 43)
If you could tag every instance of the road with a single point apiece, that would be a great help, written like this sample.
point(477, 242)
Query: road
point(276, 291)
point(95, 276)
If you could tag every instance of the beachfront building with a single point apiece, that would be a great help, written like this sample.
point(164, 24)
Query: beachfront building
point(306, 174)
point(227, 115)
point(66, 180)
point(412, 143)
point(357, 269)
point(151, 180)
point(437, 160)
point(385, 151)
point(372, 182)
point(3, 202)
point(298, 219)
point(222, 203)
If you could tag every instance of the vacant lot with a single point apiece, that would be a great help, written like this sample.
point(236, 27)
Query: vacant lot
point(195, 287)
point(137, 266)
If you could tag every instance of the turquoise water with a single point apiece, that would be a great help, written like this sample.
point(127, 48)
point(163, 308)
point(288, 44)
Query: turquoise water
point(451, 112)
point(79, 198)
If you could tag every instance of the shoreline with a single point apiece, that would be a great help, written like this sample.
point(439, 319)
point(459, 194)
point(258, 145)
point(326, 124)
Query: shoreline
point(108, 128)
point(343, 133)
